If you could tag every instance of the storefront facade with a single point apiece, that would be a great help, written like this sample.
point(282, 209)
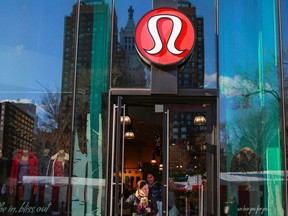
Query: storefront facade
point(210, 126)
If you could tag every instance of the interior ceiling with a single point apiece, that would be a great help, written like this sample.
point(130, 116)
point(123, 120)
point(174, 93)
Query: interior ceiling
point(145, 124)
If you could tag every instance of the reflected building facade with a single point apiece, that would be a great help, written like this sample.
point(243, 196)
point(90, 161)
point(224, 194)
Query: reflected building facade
point(89, 62)
point(192, 73)
point(135, 70)
point(234, 162)
point(18, 126)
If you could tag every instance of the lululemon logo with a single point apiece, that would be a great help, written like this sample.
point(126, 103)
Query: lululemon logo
point(176, 28)
point(164, 37)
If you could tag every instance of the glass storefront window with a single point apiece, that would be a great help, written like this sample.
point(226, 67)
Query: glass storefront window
point(200, 71)
point(55, 106)
point(34, 142)
point(251, 177)
point(284, 7)
point(91, 108)
point(53, 101)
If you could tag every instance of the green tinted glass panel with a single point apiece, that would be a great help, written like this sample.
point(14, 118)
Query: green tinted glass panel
point(36, 139)
point(251, 150)
point(89, 168)
point(53, 100)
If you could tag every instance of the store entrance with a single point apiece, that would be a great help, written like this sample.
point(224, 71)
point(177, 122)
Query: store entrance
point(174, 143)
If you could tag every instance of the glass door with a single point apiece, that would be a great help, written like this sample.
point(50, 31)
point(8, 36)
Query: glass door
point(175, 144)
point(190, 166)
point(119, 122)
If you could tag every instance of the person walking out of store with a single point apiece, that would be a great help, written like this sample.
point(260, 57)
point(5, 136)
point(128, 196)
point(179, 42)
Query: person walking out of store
point(155, 188)
point(141, 202)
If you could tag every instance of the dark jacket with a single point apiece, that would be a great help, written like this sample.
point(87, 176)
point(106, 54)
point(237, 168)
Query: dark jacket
point(133, 201)
point(246, 162)
point(156, 190)
point(43, 163)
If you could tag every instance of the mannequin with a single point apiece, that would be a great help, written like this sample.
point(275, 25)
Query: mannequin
point(61, 156)
point(245, 161)
point(59, 168)
point(44, 162)
point(43, 169)
point(25, 163)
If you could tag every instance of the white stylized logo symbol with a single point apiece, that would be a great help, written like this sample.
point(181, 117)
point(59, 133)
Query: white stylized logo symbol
point(176, 29)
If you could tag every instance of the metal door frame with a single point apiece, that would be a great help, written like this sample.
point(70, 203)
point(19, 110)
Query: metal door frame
point(211, 150)
point(116, 142)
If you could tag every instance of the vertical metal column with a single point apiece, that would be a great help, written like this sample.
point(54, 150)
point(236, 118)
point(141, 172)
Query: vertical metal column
point(115, 160)
point(165, 210)
point(123, 165)
point(118, 140)
point(112, 158)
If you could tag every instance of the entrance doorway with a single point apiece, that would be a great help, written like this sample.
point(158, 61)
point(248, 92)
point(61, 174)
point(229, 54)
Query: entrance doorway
point(174, 142)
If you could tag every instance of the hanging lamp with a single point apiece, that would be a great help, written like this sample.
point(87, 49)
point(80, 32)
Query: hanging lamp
point(199, 120)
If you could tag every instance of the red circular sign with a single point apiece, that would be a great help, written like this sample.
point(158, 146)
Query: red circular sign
point(164, 37)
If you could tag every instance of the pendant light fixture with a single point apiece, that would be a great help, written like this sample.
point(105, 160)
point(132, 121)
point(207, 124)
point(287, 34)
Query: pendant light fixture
point(140, 166)
point(199, 120)
point(161, 164)
point(126, 119)
point(129, 135)
point(153, 160)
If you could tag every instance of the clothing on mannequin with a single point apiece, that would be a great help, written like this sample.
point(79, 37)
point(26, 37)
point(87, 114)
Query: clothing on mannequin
point(44, 162)
point(59, 168)
point(25, 163)
point(246, 160)
point(58, 165)
point(43, 169)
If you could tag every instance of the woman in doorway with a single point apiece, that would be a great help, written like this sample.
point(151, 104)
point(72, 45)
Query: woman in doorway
point(141, 202)
point(155, 188)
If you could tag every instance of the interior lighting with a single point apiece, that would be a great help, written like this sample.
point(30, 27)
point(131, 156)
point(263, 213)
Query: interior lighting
point(153, 160)
point(125, 119)
point(199, 120)
point(129, 135)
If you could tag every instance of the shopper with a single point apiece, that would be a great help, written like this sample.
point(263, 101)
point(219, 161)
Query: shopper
point(155, 188)
point(141, 202)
